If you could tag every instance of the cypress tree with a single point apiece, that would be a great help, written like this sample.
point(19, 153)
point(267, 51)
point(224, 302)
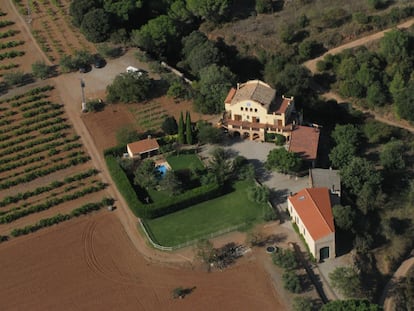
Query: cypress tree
point(181, 137)
point(188, 129)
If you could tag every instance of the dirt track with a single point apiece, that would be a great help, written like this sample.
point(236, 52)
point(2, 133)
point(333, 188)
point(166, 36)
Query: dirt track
point(386, 299)
point(311, 64)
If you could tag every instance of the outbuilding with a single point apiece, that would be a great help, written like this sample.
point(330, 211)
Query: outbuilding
point(143, 148)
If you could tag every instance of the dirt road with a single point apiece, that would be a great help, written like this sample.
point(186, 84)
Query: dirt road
point(311, 64)
point(95, 84)
point(386, 298)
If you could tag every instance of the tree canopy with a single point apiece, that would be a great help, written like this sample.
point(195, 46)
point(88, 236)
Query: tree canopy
point(129, 87)
point(212, 10)
point(212, 88)
point(147, 175)
point(350, 305)
point(283, 160)
point(347, 281)
point(158, 36)
point(344, 216)
point(358, 173)
point(95, 25)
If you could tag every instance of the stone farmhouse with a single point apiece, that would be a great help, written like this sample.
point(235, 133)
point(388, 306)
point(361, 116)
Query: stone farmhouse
point(311, 210)
point(253, 109)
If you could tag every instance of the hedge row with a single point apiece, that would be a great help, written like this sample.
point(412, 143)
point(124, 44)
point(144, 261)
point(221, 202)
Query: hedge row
point(36, 111)
point(53, 185)
point(14, 165)
point(8, 33)
point(6, 23)
point(33, 151)
point(47, 222)
point(32, 143)
point(179, 202)
point(11, 44)
point(19, 213)
point(36, 104)
point(11, 54)
point(16, 141)
point(124, 186)
point(34, 91)
point(157, 209)
point(32, 176)
point(19, 130)
point(41, 117)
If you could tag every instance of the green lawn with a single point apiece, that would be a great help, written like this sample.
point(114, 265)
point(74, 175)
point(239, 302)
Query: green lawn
point(208, 217)
point(184, 161)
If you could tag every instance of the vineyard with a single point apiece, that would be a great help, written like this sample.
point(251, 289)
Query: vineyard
point(44, 169)
point(12, 45)
point(51, 27)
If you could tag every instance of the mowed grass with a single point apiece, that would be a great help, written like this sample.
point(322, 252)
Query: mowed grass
point(184, 161)
point(208, 217)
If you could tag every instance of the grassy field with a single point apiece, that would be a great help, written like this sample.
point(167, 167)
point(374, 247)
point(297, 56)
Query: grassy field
point(208, 217)
point(184, 161)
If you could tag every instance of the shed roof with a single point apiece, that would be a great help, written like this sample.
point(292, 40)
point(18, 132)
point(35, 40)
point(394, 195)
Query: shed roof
point(313, 205)
point(325, 178)
point(143, 146)
point(304, 141)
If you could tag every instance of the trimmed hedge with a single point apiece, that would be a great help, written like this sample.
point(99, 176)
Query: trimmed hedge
point(124, 186)
point(47, 222)
point(157, 209)
point(179, 202)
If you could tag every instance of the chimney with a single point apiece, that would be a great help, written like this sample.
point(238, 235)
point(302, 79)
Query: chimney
point(238, 85)
point(149, 136)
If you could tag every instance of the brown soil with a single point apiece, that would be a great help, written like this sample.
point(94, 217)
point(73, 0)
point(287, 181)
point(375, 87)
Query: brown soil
point(32, 52)
point(51, 25)
point(90, 264)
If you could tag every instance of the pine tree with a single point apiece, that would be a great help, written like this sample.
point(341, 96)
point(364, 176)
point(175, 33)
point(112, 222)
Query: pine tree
point(181, 137)
point(188, 129)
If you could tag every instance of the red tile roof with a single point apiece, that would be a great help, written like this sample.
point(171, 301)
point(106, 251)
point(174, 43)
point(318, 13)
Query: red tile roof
point(230, 95)
point(143, 146)
point(313, 205)
point(283, 106)
point(304, 140)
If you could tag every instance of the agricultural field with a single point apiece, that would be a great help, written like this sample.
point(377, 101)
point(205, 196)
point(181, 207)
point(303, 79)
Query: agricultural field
point(50, 25)
point(150, 116)
point(44, 169)
point(15, 52)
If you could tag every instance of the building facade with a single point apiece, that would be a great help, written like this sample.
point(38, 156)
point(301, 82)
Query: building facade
point(253, 109)
point(310, 209)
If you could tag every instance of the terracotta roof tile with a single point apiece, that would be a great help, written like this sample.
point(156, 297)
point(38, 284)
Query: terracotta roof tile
point(143, 146)
point(283, 106)
point(230, 95)
point(304, 140)
point(313, 205)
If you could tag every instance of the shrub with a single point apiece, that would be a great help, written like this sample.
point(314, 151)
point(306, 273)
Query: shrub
point(285, 259)
point(291, 282)
point(95, 105)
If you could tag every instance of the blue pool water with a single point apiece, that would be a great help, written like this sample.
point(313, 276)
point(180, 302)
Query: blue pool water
point(162, 169)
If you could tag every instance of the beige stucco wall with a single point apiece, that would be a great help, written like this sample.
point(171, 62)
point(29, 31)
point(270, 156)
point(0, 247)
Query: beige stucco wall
point(314, 246)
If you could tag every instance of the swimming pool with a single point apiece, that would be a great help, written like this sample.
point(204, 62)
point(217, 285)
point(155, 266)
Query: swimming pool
point(162, 169)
